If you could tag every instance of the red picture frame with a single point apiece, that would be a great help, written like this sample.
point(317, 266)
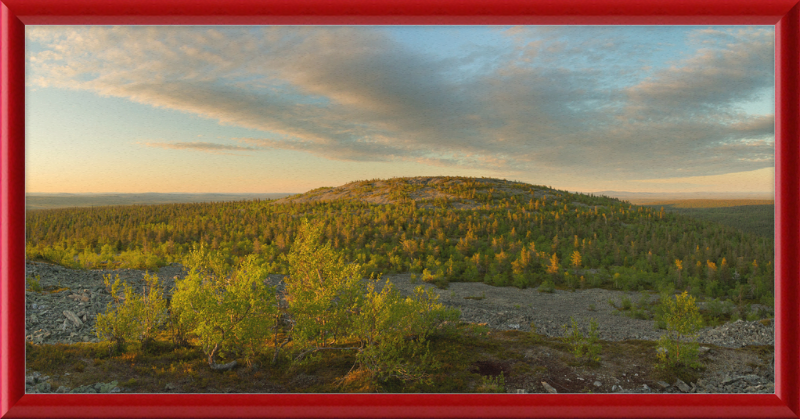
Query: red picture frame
point(15, 14)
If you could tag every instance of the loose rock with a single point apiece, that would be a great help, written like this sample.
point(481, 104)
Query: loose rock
point(549, 388)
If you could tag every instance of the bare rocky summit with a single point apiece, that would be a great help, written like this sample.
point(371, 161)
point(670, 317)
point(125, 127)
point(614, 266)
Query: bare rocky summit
point(424, 190)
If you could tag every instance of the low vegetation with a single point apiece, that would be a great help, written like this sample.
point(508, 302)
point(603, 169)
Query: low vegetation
point(471, 359)
point(231, 313)
point(584, 348)
point(678, 349)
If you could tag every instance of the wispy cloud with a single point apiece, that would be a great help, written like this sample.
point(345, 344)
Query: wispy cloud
point(578, 100)
point(214, 148)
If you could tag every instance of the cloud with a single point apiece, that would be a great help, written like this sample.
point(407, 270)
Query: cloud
point(214, 148)
point(591, 101)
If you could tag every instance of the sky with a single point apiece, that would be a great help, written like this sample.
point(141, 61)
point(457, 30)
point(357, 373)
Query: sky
point(261, 109)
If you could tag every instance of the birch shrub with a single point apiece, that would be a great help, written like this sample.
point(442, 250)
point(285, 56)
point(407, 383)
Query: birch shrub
point(323, 292)
point(678, 347)
point(229, 310)
point(333, 308)
point(132, 316)
point(393, 332)
point(586, 348)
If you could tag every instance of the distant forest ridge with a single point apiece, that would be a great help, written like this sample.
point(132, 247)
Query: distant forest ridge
point(37, 201)
point(649, 198)
point(752, 217)
point(710, 203)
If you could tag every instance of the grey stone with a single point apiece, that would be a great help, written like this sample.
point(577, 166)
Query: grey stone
point(752, 379)
point(43, 387)
point(664, 385)
point(549, 388)
point(62, 389)
point(597, 384)
point(729, 380)
point(73, 318)
point(682, 386)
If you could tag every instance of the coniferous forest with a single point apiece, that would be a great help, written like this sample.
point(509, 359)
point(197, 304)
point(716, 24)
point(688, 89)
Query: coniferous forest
point(447, 229)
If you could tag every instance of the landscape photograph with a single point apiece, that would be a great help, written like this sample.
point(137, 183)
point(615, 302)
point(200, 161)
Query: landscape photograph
point(400, 209)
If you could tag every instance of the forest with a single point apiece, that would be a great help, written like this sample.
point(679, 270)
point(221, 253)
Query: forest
point(755, 219)
point(446, 229)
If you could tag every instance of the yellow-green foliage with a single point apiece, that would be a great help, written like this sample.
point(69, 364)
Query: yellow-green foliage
point(495, 384)
point(678, 347)
point(331, 306)
point(323, 291)
point(394, 333)
point(33, 284)
point(583, 347)
point(230, 311)
point(134, 316)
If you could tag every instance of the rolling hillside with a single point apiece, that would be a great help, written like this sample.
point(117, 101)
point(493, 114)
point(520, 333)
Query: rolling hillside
point(495, 231)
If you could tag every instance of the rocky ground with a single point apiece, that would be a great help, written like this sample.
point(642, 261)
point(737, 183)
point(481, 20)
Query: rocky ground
point(67, 310)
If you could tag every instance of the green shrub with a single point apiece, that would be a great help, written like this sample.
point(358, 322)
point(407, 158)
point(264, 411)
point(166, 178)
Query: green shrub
point(133, 316)
point(583, 347)
point(323, 291)
point(718, 309)
point(394, 333)
point(547, 286)
point(331, 306)
point(678, 347)
point(437, 278)
point(33, 284)
point(644, 301)
point(496, 384)
point(626, 303)
point(229, 310)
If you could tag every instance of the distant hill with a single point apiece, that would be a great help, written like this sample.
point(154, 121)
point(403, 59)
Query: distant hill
point(425, 191)
point(37, 201)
